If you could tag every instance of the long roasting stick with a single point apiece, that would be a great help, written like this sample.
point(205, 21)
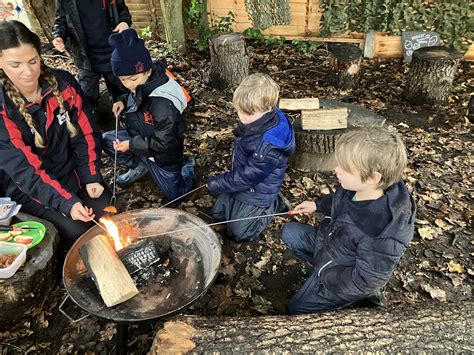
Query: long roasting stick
point(217, 223)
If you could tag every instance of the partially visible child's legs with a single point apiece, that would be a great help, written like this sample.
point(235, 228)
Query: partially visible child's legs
point(136, 168)
point(301, 240)
point(227, 208)
point(173, 184)
point(313, 298)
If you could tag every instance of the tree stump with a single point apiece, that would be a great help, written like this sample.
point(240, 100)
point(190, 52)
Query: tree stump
point(315, 149)
point(344, 65)
point(229, 60)
point(431, 75)
point(30, 285)
point(405, 328)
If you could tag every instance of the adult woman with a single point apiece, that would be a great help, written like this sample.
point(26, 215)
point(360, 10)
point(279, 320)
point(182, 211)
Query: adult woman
point(49, 142)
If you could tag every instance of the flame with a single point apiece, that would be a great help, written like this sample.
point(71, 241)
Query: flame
point(114, 233)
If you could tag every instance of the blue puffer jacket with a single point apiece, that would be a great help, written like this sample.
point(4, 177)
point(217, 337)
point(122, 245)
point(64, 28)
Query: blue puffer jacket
point(352, 264)
point(259, 161)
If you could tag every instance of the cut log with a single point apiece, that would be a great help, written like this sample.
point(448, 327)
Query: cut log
point(431, 75)
point(344, 65)
point(229, 60)
point(307, 103)
point(25, 291)
point(315, 148)
point(325, 119)
point(396, 329)
point(107, 270)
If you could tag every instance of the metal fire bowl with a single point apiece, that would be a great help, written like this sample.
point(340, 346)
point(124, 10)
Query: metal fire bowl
point(197, 253)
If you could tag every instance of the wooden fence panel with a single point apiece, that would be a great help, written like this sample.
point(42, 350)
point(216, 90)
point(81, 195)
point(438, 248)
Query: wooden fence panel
point(305, 17)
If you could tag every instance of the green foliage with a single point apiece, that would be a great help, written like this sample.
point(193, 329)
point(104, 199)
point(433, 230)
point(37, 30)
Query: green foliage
point(146, 32)
point(449, 18)
point(305, 47)
point(254, 34)
point(195, 15)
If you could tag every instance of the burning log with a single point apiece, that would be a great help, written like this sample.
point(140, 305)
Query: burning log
point(107, 271)
point(143, 261)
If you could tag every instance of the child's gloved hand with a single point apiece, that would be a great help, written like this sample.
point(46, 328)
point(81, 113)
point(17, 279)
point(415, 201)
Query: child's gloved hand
point(306, 207)
point(117, 108)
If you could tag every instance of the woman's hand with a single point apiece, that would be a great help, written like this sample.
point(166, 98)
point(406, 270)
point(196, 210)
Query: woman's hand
point(117, 108)
point(81, 213)
point(123, 146)
point(122, 26)
point(94, 189)
point(306, 208)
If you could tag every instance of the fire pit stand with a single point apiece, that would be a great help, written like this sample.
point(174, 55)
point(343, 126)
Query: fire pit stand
point(194, 255)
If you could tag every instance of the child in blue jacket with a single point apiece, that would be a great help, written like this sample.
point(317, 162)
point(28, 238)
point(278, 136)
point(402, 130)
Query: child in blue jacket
point(369, 223)
point(153, 140)
point(263, 143)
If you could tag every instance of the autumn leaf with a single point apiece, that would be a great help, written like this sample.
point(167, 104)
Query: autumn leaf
point(455, 267)
point(435, 292)
point(426, 233)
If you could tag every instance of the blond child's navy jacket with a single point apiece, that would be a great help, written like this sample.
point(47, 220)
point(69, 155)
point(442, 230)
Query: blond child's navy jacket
point(259, 161)
point(352, 263)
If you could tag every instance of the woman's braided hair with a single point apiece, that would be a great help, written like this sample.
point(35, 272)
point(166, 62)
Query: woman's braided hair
point(12, 35)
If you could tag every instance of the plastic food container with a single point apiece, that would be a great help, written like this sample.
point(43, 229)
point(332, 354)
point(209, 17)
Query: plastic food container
point(12, 249)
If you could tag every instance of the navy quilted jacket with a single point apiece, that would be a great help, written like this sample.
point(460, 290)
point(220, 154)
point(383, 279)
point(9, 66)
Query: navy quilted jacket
point(352, 264)
point(259, 161)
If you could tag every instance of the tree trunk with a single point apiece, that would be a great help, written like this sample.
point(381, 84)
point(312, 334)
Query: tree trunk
point(31, 284)
point(402, 328)
point(315, 149)
point(45, 13)
point(229, 60)
point(173, 22)
point(431, 75)
point(344, 65)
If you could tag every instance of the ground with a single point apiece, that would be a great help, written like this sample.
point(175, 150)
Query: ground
point(260, 277)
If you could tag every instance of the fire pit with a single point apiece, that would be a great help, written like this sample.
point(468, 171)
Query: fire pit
point(194, 258)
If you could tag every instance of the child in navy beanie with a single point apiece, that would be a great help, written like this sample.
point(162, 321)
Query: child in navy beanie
point(153, 139)
point(129, 54)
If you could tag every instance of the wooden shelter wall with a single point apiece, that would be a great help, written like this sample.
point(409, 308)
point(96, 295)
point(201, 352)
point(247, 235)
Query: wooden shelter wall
point(146, 13)
point(305, 17)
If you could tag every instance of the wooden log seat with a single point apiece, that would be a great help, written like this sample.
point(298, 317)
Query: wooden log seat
point(315, 148)
point(344, 65)
point(31, 284)
point(229, 60)
point(431, 75)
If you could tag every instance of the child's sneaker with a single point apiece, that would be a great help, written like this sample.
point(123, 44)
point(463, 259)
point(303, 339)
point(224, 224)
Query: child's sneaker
point(132, 175)
point(188, 167)
point(376, 299)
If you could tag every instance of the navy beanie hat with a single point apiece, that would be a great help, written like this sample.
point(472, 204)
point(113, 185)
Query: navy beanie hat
point(130, 55)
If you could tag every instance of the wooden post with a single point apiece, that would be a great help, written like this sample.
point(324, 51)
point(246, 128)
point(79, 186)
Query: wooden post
point(109, 274)
point(431, 75)
point(173, 23)
point(344, 65)
point(229, 60)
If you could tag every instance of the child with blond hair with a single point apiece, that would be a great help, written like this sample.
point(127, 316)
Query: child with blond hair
point(264, 141)
point(369, 224)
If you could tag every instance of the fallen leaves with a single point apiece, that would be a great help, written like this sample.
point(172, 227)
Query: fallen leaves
point(435, 292)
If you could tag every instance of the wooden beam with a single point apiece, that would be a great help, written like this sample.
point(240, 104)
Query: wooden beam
point(108, 272)
point(307, 103)
point(324, 119)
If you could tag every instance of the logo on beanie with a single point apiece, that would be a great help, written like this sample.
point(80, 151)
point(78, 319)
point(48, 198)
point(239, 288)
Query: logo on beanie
point(139, 67)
